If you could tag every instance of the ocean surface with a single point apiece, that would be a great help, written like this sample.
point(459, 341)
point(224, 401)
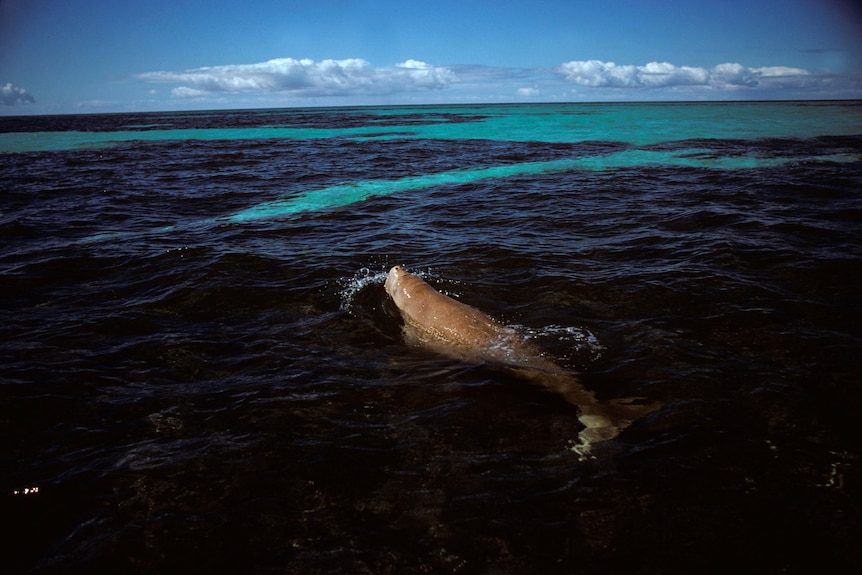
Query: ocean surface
point(200, 370)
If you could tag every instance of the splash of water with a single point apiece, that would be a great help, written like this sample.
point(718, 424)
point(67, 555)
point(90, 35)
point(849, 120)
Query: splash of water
point(578, 339)
point(361, 280)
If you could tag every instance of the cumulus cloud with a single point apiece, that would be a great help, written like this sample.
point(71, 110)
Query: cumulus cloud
point(597, 73)
point(307, 78)
point(11, 95)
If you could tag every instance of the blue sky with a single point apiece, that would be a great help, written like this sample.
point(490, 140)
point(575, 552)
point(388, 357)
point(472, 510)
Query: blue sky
point(61, 56)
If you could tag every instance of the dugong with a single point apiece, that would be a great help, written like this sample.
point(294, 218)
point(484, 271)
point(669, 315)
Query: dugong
point(447, 326)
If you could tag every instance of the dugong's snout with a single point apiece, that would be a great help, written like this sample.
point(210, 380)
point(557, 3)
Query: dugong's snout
point(391, 284)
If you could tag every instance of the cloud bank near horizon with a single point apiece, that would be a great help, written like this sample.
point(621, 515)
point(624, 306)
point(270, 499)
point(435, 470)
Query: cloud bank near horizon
point(600, 74)
point(356, 78)
point(308, 78)
point(12, 95)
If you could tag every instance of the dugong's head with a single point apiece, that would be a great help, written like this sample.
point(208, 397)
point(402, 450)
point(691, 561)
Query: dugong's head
point(408, 291)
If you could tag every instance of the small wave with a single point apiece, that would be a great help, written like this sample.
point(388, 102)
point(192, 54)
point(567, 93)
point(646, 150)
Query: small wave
point(579, 340)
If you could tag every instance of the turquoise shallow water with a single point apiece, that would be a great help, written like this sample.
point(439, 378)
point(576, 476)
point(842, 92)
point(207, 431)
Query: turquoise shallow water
point(637, 128)
point(637, 124)
point(200, 370)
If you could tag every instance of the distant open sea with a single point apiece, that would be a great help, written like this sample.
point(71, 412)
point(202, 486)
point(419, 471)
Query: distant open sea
point(200, 371)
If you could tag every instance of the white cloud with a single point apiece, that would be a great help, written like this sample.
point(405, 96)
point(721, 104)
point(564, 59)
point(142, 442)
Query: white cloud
point(307, 78)
point(781, 71)
point(186, 92)
point(597, 73)
point(11, 95)
point(528, 92)
point(733, 75)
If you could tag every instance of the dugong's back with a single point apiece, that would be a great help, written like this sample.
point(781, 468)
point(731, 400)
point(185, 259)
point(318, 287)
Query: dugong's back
point(436, 319)
point(447, 326)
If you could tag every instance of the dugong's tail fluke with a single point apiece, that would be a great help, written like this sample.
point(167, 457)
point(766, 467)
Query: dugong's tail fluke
point(606, 420)
point(602, 420)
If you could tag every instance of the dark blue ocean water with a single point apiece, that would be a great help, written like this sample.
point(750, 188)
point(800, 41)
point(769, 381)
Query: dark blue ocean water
point(200, 370)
